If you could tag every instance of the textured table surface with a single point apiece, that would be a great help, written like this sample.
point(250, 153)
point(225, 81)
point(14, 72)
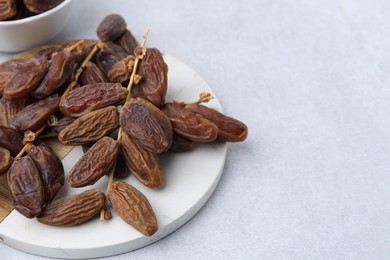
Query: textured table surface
point(311, 80)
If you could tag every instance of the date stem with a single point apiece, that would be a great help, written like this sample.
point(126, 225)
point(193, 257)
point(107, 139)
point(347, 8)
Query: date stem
point(31, 137)
point(204, 97)
point(140, 53)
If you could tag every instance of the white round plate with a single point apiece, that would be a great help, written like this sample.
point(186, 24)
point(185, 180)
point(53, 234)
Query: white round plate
point(190, 179)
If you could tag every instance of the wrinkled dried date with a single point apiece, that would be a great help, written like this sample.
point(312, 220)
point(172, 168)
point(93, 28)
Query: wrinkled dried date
point(88, 98)
point(11, 140)
point(144, 165)
point(133, 207)
point(73, 210)
point(95, 163)
point(147, 125)
point(229, 129)
point(28, 74)
point(50, 169)
point(5, 160)
point(90, 127)
point(35, 115)
point(189, 124)
point(154, 83)
point(61, 69)
point(26, 187)
point(111, 27)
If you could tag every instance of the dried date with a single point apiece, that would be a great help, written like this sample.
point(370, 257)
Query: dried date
point(133, 207)
point(50, 169)
point(26, 187)
point(90, 127)
point(35, 115)
point(144, 165)
point(147, 125)
point(62, 67)
point(95, 163)
point(111, 27)
point(229, 129)
point(27, 75)
point(73, 210)
point(189, 124)
point(154, 72)
point(88, 98)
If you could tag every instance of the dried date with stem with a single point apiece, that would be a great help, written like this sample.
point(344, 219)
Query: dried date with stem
point(26, 187)
point(95, 163)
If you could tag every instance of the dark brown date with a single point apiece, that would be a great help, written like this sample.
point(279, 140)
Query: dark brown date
point(83, 100)
point(61, 69)
point(91, 75)
point(95, 163)
point(26, 187)
point(73, 210)
point(133, 207)
point(128, 42)
point(90, 127)
point(143, 164)
point(27, 76)
point(147, 125)
point(50, 169)
point(154, 73)
point(35, 115)
point(40, 6)
point(121, 71)
point(109, 54)
point(9, 108)
point(111, 27)
point(189, 124)
point(11, 140)
point(7, 9)
point(5, 160)
point(229, 129)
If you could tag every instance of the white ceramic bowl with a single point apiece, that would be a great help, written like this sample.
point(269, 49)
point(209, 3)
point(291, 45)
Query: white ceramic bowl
point(29, 32)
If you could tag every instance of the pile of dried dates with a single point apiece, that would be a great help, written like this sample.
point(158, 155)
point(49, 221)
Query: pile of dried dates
point(109, 97)
point(19, 9)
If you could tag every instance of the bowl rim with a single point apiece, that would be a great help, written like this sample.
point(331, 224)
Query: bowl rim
point(37, 16)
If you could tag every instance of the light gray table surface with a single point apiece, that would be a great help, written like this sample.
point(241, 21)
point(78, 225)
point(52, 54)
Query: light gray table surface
point(311, 79)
